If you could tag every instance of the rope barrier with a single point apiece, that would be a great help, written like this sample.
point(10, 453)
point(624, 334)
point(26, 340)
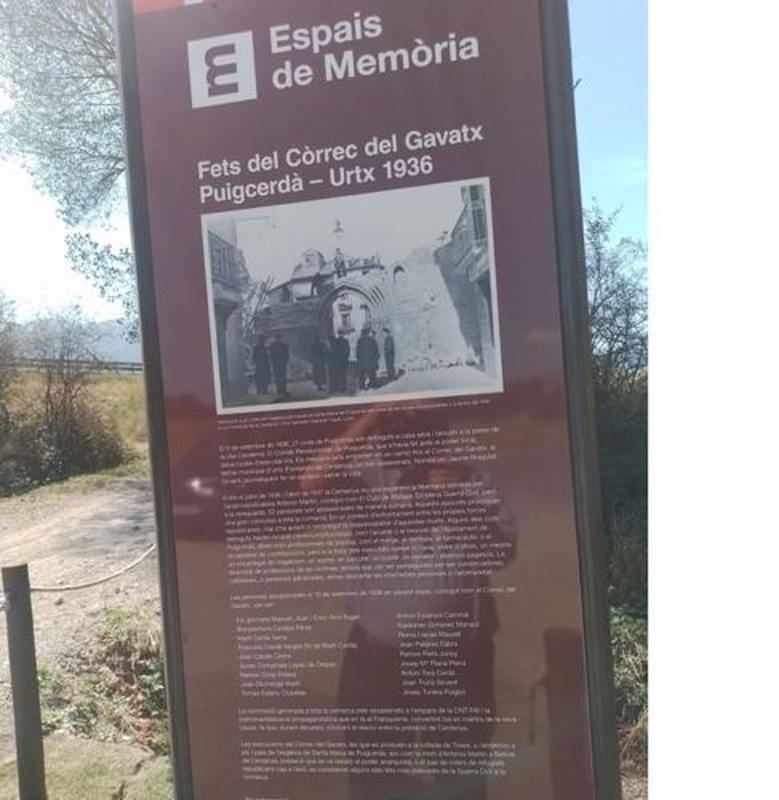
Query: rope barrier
point(88, 584)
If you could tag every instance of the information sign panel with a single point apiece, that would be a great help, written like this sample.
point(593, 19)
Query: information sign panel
point(356, 234)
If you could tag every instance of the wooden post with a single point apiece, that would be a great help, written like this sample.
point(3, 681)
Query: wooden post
point(24, 684)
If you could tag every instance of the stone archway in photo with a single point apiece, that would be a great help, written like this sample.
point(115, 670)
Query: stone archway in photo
point(351, 306)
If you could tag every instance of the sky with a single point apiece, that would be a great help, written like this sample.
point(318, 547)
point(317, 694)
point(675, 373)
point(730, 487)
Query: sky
point(609, 61)
point(609, 54)
point(273, 238)
point(34, 271)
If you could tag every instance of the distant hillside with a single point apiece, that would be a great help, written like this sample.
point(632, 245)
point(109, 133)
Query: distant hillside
point(112, 344)
point(107, 341)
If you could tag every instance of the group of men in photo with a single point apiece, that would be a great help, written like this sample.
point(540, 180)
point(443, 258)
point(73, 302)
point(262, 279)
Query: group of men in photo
point(329, 362)
point(271, 361)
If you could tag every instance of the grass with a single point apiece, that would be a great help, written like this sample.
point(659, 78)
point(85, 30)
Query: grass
point(120, 396)
point(113, 689)
point(119, 399)
point(78, 769)
point(135, 467)
point(629, 645)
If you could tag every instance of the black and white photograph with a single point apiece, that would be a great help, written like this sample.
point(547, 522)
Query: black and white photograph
point(374, 297)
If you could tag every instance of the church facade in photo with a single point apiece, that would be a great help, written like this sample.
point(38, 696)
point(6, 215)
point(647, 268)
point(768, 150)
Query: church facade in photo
point(435, 303)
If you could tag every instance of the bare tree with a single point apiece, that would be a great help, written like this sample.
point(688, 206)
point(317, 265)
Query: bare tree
point(7, 372)
point(75, 430)
point(111, 271)
point(53, 423)
point(617, 295)
point(616, 276)
point(63, 344)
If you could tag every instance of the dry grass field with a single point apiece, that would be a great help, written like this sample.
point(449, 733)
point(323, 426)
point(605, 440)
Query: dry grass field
point(121, 397)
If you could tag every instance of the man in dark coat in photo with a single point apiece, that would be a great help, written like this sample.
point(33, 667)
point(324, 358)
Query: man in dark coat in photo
point(367, 359)
point(279, 358)
point(320, 354)
point(389, 354)
point(332, 362)
point(341, 352)
point(261, 366)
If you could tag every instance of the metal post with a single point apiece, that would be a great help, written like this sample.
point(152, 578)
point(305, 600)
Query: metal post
point(24, 684)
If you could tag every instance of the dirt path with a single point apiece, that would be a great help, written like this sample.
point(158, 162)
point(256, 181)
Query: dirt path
point(69, 539)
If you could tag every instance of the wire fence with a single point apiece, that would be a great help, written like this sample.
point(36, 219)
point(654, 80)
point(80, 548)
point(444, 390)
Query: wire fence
point(95, 364)
point(73, 587)
point(97, 581)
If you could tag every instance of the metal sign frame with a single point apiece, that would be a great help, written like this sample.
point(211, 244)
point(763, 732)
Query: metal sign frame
point(573, 306)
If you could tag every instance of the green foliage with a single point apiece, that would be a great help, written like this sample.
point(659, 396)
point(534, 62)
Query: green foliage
point(46, 448)
point(7, 354)
point(54, 427)
point(629, 644)
point(62, 708)
point(628, 563)
point(618, 351)
point(111, 271)
point(617, 298)
point(621, 414)
point(112, 689)
point(121, 398)
point(58, 68)
point(8, 476)
point(622, 438)
point(616, 285)
point(132, 652)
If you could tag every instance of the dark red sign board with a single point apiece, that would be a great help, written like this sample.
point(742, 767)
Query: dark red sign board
point(359, 262)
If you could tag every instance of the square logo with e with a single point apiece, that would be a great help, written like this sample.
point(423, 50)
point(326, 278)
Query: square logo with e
point(221, 69)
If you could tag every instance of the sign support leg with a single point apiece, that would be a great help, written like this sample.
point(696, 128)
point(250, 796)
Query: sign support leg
point(24, 684)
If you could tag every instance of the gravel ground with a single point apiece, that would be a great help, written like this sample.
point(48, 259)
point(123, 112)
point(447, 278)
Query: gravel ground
point(67, 539)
